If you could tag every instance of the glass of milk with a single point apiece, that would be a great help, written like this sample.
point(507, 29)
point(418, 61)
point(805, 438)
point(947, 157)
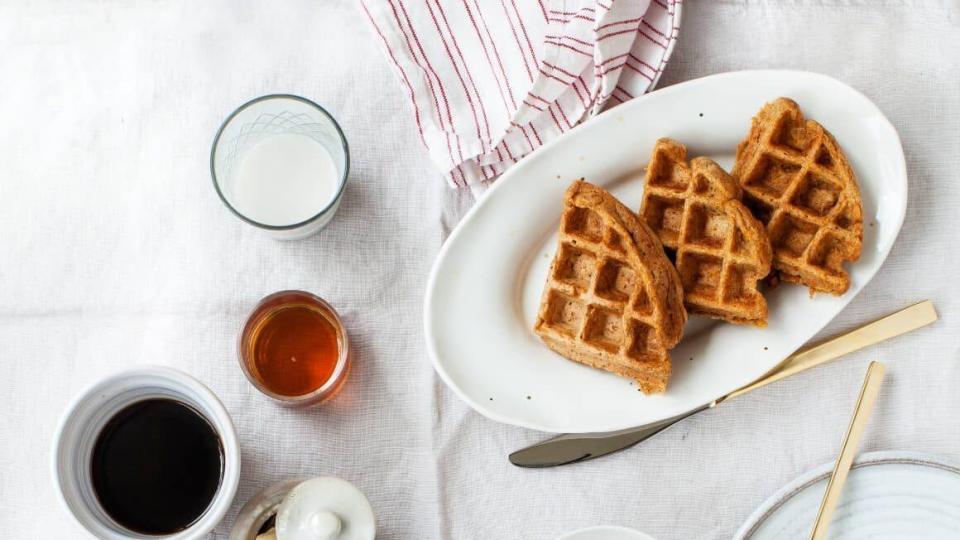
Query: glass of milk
point(280, 163)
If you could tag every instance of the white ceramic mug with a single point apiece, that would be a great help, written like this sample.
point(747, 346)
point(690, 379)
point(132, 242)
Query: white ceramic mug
point(92, 409)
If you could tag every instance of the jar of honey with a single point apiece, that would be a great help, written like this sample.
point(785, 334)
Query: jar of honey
point(294, 349)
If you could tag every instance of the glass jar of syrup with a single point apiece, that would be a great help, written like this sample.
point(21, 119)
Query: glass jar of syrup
point(294, 348)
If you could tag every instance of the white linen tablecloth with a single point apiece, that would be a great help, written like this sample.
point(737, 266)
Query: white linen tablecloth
point(115, 251)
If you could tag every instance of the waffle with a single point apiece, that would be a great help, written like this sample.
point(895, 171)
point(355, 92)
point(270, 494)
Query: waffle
point(612, 299)
point(720, 250)
point(797, 181)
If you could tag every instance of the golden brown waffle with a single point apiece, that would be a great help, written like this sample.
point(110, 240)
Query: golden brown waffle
point(721, 250)
point(798, 182)
point(612, 299)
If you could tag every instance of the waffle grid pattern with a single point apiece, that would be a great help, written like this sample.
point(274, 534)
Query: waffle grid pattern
point(687, 208)
point(797, 183)
point(594, 295)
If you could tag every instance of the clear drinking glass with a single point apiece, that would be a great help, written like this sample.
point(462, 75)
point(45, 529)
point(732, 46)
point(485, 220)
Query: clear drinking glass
point(245, 132)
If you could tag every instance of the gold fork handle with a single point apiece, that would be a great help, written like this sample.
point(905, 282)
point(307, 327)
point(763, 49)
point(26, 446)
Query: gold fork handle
point(848, 450)
point(901, 322)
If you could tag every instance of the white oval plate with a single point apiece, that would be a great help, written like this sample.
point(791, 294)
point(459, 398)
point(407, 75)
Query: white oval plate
point(484, 289)
point(605, 532)
point(887, 495)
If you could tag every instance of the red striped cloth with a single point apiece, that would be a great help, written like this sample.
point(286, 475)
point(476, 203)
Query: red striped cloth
point(491, 80)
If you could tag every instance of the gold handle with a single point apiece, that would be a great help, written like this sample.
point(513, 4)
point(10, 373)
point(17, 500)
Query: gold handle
point(901, 322)
point(858, 424)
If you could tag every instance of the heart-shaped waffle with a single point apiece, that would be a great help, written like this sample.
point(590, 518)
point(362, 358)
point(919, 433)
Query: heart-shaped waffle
point(798, 182)
point(720, 249)
point(612, 300)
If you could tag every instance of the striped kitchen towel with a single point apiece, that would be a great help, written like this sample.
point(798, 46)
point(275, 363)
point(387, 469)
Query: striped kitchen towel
point(490, 81)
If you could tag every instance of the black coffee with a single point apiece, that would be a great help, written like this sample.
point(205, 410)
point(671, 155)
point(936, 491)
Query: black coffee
point(156, 466)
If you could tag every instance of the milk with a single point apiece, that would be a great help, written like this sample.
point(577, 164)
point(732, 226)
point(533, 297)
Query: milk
point(284, 179)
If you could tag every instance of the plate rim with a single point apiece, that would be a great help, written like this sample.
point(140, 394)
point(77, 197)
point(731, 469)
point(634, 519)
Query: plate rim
point(635, 533)
point(869, 459)
point(521, 167)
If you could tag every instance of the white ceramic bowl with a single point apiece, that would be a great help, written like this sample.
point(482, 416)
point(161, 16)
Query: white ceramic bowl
point(86, 416)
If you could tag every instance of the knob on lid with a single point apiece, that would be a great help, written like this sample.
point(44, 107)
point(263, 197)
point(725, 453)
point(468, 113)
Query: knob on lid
point(325, 508)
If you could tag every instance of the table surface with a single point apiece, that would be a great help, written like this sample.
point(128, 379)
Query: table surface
point(116, 252)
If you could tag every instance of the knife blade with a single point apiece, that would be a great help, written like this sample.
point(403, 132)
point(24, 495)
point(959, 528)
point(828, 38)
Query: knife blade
point(575, 447)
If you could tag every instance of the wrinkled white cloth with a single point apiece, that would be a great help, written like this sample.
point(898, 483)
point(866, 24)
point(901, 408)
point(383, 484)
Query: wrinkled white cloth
point(115, 251)
point(489, 82)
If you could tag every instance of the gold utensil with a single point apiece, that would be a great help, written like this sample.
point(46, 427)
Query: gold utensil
point(901, 322)
point(577, 447)
point(848, 450)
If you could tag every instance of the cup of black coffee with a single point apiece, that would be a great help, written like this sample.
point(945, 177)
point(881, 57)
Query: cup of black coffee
point(147, 453)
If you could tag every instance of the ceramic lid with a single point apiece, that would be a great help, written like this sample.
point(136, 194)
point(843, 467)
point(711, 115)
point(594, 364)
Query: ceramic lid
point(325, 508)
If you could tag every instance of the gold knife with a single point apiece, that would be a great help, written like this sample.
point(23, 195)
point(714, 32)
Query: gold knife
point(577, 447)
